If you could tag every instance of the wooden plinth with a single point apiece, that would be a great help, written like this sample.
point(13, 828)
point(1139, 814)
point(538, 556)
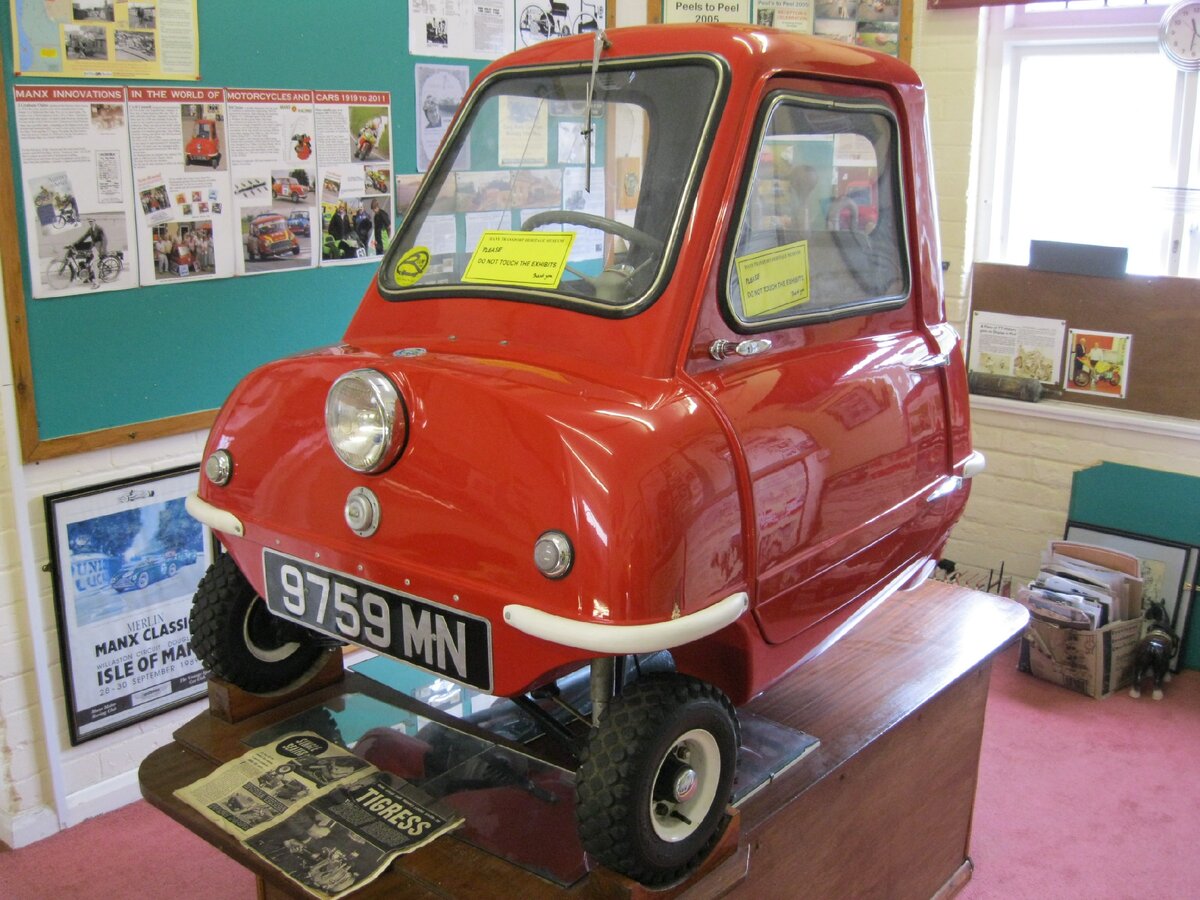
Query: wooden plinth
point(881, 809)
point(231, 704)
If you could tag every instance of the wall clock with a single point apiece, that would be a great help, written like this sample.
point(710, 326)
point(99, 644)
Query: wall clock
point(1179, 34)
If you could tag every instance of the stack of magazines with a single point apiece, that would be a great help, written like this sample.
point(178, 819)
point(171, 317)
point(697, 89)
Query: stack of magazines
point(1081, 586)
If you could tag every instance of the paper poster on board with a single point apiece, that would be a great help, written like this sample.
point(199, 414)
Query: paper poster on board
point(706, 11)
point(73, 142)
point(1024, 346)
point(1098, 363)
point(541, 20)
point(789, 15)
point(273, 170)
point(440, 90)
point(157, 39)
point(180, 155)
point(448, 28)
point(354, 178)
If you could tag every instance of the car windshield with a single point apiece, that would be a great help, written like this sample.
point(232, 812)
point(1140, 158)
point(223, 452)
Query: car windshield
point(536, 199)
point(202, 131)
point(273, 227)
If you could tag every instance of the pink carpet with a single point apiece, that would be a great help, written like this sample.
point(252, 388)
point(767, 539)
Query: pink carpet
point(133, 852)
point(1082, 798)
point(1078, 798)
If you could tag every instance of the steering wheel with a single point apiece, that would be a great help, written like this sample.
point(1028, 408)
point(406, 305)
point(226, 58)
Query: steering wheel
point(612, 283)
point(588, 220)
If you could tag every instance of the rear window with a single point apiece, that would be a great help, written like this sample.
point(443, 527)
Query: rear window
point(820, 231)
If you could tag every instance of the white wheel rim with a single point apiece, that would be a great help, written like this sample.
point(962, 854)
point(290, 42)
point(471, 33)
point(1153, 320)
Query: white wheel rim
point(264, 654)
point(699, 749)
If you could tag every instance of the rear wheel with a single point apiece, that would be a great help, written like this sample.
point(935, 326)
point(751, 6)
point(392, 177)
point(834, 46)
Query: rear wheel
point(656, 777)
point(110, 267)
point(238, 639)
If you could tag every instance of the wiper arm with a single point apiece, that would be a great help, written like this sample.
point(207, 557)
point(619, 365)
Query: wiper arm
point(599, 43)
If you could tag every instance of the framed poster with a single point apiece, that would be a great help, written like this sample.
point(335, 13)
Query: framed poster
point(125, 559)
point(1168, 571)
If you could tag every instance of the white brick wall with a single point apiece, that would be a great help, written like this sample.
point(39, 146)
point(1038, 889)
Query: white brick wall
point(100, 774)
point(1021, 501)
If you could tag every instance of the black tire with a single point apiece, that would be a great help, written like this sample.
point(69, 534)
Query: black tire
point(238, 639)
point(627, 819)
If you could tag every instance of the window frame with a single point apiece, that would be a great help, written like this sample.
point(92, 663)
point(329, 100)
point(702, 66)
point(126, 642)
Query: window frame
point(1013, 33)
point(466, 117)
point(814, 95)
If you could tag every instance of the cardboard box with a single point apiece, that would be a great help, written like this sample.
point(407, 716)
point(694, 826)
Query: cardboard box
point(1095, 663)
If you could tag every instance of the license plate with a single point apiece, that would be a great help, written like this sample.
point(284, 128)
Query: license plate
point(425, 634)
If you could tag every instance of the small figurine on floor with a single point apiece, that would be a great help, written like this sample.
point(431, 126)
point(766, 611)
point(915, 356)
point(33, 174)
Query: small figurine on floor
point(1154, 651)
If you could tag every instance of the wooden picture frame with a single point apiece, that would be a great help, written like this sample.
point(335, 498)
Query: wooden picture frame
point(1168, 571)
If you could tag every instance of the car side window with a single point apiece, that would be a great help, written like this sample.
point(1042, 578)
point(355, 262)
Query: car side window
point(820, 229)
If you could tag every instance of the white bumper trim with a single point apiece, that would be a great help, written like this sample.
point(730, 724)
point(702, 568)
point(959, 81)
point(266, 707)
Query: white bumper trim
point(214, 518)
point(615, 639)
point(974, 464)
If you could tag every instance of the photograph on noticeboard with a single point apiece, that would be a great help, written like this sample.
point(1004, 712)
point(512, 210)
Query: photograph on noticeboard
point(1098, 363)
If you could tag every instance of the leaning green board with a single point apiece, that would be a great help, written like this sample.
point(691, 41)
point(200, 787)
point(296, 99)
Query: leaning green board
point(1145, 502)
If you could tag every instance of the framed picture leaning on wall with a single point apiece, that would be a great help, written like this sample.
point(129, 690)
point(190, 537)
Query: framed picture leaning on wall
point(125, 558)
point(1168, 571)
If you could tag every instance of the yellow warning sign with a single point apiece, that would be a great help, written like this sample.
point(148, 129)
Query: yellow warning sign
point(520, 258)
point(773, 280)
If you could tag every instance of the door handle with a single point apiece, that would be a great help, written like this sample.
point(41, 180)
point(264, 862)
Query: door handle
point(720, 349)
point(930, 362)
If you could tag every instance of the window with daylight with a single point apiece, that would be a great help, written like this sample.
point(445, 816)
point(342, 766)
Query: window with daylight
point(1090, 136)
point(821, 219)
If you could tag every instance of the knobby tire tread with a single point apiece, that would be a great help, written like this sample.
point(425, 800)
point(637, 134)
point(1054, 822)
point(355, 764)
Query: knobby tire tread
point(218, 609)
point(606, 810)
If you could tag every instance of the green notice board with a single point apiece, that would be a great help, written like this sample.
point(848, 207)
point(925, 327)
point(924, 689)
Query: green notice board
point(1146, 502)
point(126, 357)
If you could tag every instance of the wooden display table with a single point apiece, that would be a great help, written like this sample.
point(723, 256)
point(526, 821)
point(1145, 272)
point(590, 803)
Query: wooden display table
point(882, 808)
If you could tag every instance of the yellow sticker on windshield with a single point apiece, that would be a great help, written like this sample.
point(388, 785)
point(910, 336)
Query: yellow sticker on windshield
point(773, 280)
point(520, 258)
point(411, 266)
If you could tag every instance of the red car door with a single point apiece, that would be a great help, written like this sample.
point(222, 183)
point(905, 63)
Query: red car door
point(821, 362)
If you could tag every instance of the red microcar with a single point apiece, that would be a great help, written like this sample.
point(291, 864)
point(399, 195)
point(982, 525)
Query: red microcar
point(205, 144)
point(656, 393)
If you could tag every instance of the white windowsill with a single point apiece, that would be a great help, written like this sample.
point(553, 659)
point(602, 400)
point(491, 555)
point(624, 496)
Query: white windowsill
point(1123, 419)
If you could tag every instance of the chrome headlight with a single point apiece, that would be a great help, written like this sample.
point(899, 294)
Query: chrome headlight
point(365, 420)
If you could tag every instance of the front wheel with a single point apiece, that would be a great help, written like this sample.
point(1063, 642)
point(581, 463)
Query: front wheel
point(238, 639)
point(60, 273)
point(656, 777)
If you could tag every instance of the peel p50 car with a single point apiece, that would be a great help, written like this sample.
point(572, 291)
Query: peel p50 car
point(204, 145)
point(674, 397)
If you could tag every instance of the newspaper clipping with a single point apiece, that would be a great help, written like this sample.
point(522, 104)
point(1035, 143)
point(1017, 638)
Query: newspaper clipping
point(327, 819)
